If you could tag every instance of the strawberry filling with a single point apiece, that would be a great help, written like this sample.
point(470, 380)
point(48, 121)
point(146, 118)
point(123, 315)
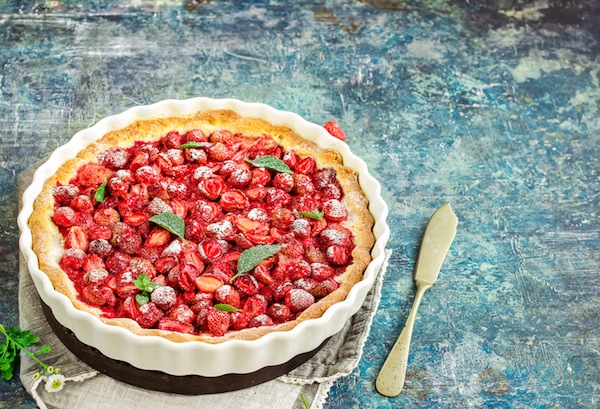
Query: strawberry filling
point(227, 205)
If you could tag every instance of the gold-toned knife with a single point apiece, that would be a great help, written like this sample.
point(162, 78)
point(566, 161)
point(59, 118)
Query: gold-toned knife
point(438, 237)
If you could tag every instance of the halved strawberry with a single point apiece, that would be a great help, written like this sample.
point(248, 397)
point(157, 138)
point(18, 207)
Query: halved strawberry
point(76, 238)
point(233, 200)
point(212, 187)
point(335, 130)
point(208, 284)
point(176, 326)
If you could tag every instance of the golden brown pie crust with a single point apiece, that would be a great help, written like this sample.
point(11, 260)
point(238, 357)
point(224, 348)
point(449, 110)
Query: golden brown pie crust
point(48, 242)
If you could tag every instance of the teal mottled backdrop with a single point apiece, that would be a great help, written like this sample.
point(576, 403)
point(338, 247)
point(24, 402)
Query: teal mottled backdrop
point(490, 105)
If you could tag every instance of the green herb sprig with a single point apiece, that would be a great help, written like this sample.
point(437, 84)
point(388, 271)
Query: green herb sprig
point(194, 145)
point(226, 307)
point(270, 162)
point(171, 222)
point(251, 257)
point(315, 214)
point(16, 340)
point(306, 405)
point(146, 287)
point(100, 192)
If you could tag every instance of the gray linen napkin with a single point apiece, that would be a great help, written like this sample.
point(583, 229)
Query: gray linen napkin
point(86, 388)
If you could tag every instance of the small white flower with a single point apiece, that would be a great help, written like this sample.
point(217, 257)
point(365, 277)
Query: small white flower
point(55, 383)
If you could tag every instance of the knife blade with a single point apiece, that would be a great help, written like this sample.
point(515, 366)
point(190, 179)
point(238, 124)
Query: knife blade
point(438, 237)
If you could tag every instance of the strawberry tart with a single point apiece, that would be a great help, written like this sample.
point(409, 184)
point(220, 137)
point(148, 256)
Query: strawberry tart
point(206, 227)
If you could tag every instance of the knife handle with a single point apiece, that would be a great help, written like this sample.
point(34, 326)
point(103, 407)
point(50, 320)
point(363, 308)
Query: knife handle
point(390, 380)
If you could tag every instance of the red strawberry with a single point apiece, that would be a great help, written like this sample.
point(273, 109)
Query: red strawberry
point(218, 321)
point(140, 159)
point(148, 315)
point(98, 295)
point(76, 238)
point(335, 211)
point(254, 306)
point(135, 219)
point(338, 255)
point(298, 300)
point(172, 140)
point(246, 284)
point(196, 156)
point(306, 166)
point(324, 288)
point(187, 277)
point(281, 289)
point(100, 247)
point(118, 187)
point(93, 262)
point(210, 250)
point(195, 135)
point(93, 175)
point(114, 158)
point(219, 152)
point(303, 184)
point(279, 312)
point(283, 181)
point(238, 321)
point(291, 159)
point(240, 177)
point(301, 269)
point(106, 217)
point(256, 193)
point(212, 187)
point(164, 297)
point(126, 238)
point(261, 273)
point(158, 237)
point(72, 259)
point(320, 271)
point(260, 177)
point(147, 175)
point(64, 217)
point(82, 204)
point(233, 200)
point(181, 313)
point(117, 262)
point(208, 284)
point(335, 130)
point(282, 218)
point(64, 194)
point(262, 320)
point(226, 294)
point(128, 307)
point(193, 258)
point(175, 326)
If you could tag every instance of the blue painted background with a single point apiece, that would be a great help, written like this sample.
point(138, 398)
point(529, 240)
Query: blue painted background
point(491, 105)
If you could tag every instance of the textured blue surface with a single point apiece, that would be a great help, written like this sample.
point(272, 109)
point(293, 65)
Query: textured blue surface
point(493, 106)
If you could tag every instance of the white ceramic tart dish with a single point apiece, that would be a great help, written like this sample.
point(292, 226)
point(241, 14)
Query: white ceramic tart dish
point(201, 353)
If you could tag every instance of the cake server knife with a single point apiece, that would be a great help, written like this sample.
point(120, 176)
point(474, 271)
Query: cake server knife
point(438, 237)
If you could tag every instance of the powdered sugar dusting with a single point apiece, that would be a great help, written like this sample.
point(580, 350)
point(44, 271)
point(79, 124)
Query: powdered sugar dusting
point(300, 226)
point(164, 296)
point(241, 176)
point(203, 172)
point(258, 214)
point(124, 174)
point(96, 275)
point(172, 249)
point(221, 229)
point(335, 208)
point(334, 236)
point(158, 206)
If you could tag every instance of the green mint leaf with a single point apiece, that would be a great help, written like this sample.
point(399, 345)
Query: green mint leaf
point(315, 214)
point(254, 255)
point(226, 307)
point(142, 299)
point(270, 162)
point(142, 282)
point(193, 144)
point(170, 222)
point(8, 373)
point(99, 195)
